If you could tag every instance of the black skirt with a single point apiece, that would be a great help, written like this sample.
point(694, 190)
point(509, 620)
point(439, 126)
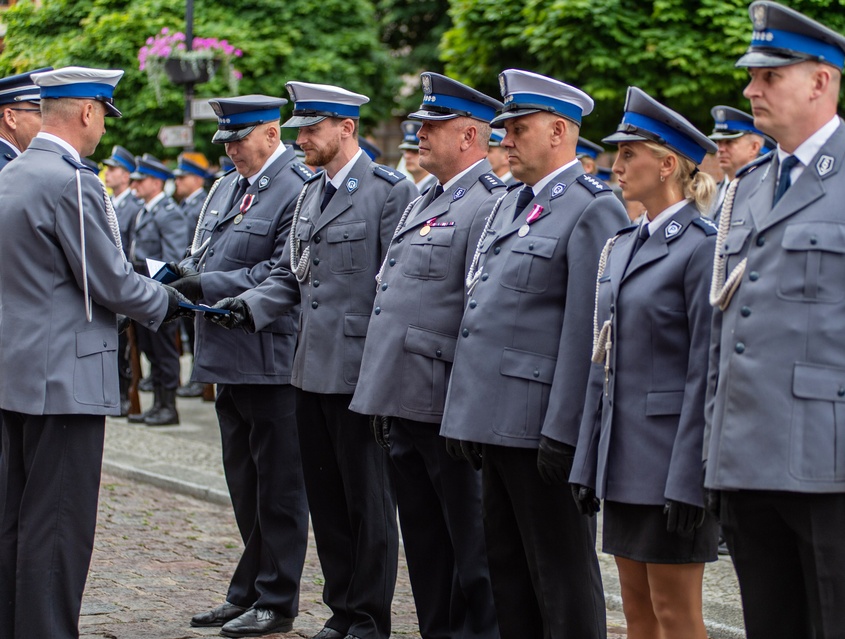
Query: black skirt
point(639, 533)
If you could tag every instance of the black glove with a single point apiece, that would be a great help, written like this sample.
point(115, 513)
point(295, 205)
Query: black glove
point(682, 518)
point(237, 317)
point(174, 311)
point(189, 282)
point(453, 447)
point(554, 461)
point(123, 323)
point(380, 426)
point(586, 500)
point(472, 453)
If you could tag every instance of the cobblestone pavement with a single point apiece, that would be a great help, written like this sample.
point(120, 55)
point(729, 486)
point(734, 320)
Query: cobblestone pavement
point(160, 557)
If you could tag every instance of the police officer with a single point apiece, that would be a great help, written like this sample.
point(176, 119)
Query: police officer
point(739, 142)
point(408, 356)
point(588, 152)
point(411, 154)
point(641, 450)
point(370, 148)
point(522, 360)
point(773, 446)
point(158, 234)
point(342, 226)
point(63, 277)
point(241, 235)
point(497, 155)
point(21, 114)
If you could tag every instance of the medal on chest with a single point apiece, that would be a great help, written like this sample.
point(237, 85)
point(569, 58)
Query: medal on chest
point(246, 203)
point(532, 217)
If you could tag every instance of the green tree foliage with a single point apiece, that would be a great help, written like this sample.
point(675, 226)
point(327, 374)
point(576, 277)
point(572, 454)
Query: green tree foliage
point(281, 39)
point(680, 51)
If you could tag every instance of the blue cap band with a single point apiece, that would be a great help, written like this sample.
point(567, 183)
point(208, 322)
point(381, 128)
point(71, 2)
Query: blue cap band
point(129, 166)
point(681, 143)
point(736, 125)
point(585, 150)
point(249, 117)
point(332, 109)
point(152, 172)
point(533, 100)
point(192, 168)
point(778, 39)
point(93, 90)
point(472, 109)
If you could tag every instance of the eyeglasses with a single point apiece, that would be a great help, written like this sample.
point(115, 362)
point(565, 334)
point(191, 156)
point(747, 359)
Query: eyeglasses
point(38, 111)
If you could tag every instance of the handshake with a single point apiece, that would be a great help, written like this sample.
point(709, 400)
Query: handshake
point(186, 290)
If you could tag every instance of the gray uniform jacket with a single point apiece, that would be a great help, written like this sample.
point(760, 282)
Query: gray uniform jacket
point(777, 419)
point(641, 434)
point(241, 251)
point(7, 154)
point(56, 362)
point(348, 242)
point(417, 311)
point(126, 212)
point(523, 355)
point(158, 234)
point(191, 207)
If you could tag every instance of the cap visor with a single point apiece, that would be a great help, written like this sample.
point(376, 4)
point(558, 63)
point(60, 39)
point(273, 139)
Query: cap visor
point(110, 162)
point(508, 115)
point(621, 136)
point(422, 114)
point(724, 135)
point(408, 147)
point(136, 176)
point(228, 135)
point(760, 58)
point(111, 111)
point(298, 121)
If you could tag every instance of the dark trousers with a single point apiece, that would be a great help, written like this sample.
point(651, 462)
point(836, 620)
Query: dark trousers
point(439, 502)
point(353, 513)
point(264, 473)
point(49, 483)
point(160, 349)
point(789, 553)
point(541, 550)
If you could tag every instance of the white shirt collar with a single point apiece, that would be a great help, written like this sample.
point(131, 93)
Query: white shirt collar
point(62, 143)
point(275, 155)
point(158, 198)
point(663, 216)
point(808, 149)
point(340, 177)
point(197, 193)
point(455, 179)
point(117, 199)
point(541, 183)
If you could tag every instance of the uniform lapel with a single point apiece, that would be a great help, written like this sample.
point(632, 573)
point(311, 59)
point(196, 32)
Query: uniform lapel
point(656, 247)
point(261, 182)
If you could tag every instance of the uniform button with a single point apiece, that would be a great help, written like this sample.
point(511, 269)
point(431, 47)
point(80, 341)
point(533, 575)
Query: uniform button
point(497, 250)
point(392, 262)
point(841, 391)
point(211, 252)
point(316, 261)
point(377, 310)
point(745, 311)
point(536, 373)
point(105, 343)
point(399, 239)
point(760, 241)
point(739, 348)
point(346, 235)
point(531, 246)
point(473, 303)
point(438, 353)
point(316, 283)
point(151, 322)
point(383, 286)
point(484, 277)
point(753, 276)
point(465, 332)
point(814, 240)
point(317, 239)
point(314, 304)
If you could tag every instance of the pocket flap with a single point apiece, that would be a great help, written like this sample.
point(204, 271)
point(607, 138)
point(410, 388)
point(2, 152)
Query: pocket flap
point(735, 240)
point(814, 381)
point(346, 232)
point(304, 231)
point(355, 324)
point(815, 236)
point(536, 245)
point(664, 403)
point(98, 341)
point(255, 226)
point(430, 344)
point(531, 366)
point(438, 236)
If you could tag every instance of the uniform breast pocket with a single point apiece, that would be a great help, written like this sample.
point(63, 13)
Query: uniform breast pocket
point(429, 255)
point(734, 245)
point(95, 368)
point(249, 240)
point(347, 246)
point(529, 264)
point(813, 266)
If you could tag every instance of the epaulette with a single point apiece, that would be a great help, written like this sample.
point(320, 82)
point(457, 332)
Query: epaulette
point(8, 156)
point(627, 229)
point(77, 165)
point(490, 181)
point(316, 175)
point(593, 184)
point(302, 171)
point(755, 164)
point(706, 225)
point(386, 173)
point(517, 185)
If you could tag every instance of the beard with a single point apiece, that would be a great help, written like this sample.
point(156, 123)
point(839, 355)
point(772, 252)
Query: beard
point(324, 155)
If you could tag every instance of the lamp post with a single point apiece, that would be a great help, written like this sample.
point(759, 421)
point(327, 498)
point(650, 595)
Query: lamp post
point(189, 87)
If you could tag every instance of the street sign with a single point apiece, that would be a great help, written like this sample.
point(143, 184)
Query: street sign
point(178, 135)
point(201, 109)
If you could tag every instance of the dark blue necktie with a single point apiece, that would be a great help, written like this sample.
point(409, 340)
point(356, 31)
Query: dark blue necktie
point(642, 236)
point(438, 191)
point(331, 189)
point(785, 180)
point(522, 200)
point(243, 185)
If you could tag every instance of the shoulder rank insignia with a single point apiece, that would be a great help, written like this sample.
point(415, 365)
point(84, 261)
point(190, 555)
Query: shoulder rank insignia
point(672, 229)
point(386, 173)
point(557, 190)
point(751, 166)
point(77, 165)
point(314, 176)
point(593, 184)
point(301, 170)
point(706, 225)
point(490, 181)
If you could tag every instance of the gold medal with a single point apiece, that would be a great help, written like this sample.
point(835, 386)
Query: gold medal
point(523, 230)
point(425, 230)
point(240, 216)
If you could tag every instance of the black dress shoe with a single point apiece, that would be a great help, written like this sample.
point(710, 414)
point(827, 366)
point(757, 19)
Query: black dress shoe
point(350, 637)
point(217, 616)
point(194, 389)
point(329, 633)
point(256, 622)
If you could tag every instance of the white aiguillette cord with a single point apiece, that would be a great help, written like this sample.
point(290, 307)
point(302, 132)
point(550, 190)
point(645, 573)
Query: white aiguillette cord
point(86, 298)
point(196, 247)
point(722, 288)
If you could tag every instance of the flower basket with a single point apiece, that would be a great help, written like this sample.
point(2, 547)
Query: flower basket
point(186, 71)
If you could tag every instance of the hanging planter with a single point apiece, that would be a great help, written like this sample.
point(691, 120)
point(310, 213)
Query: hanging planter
point(190, 70)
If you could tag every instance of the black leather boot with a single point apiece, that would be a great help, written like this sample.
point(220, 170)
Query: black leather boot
point(166, 414)
point(141, 418)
